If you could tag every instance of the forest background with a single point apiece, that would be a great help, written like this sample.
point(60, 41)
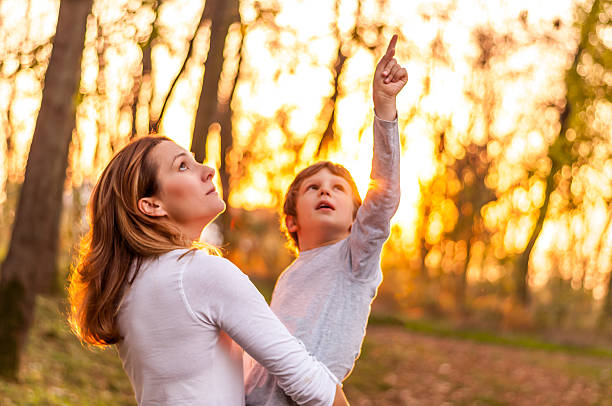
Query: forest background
point(506, 212)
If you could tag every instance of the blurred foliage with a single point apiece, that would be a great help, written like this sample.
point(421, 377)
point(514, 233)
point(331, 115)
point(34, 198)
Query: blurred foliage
point(505, 124)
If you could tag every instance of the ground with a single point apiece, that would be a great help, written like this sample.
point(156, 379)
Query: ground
point(398, 366)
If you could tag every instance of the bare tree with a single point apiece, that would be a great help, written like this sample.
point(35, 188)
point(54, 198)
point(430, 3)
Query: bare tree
point(356, 37)
point(209, 6)
point(145, 75)
point(31, 260)
point(223, 14)
point(580, 94)
point(224, 114)
point(211, 109)
point(607, 308)
point(328, 134)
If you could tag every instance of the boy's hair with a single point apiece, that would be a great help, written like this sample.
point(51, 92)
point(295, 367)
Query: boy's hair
point(290, 203)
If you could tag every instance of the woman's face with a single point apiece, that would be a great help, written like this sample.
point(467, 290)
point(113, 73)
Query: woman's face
point(186, 194)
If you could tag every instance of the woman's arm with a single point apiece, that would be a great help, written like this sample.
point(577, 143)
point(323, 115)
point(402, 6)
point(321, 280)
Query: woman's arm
point(220, 295)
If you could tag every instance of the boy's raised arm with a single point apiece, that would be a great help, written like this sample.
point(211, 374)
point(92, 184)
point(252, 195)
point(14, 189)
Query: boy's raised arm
point(372, 224)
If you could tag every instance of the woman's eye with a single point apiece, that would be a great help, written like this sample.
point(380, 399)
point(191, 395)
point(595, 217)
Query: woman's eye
point(182, 166)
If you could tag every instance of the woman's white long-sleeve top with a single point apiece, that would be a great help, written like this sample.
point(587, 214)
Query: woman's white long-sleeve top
point(184, 322)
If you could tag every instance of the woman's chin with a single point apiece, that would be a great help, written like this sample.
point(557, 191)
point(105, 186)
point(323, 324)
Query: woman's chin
point(218, 212)
point(223, 207)
point(218, 207)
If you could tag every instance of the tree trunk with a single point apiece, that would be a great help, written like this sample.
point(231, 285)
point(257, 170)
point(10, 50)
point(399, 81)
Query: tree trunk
point(144, 77)
point(222, 16)
point(559, 149)
point(227, 141)
point(329, 135)
point(206, 15)
point(462, 288)
point(30, 264)
point(522, 263)
point(606, 314)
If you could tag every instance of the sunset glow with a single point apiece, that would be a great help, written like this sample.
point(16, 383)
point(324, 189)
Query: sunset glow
point(285, 82)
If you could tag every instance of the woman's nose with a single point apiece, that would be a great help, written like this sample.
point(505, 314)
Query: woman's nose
point(207, 173)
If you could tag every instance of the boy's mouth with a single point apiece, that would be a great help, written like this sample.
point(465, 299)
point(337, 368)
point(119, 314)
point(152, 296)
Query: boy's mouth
point(325, 206)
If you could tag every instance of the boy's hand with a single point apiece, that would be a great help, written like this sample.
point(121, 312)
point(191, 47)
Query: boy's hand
point(389, 79)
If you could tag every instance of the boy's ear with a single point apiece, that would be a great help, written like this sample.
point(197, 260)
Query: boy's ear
point(291, 224)
point(151, 206)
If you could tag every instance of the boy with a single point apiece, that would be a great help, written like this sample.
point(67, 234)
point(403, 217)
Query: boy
point(324, 296)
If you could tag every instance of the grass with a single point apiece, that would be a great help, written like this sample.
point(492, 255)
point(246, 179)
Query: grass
point(398, 366)
point(58, 370)
point(441, 329)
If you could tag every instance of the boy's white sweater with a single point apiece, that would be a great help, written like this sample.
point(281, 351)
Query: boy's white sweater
point(324, 296)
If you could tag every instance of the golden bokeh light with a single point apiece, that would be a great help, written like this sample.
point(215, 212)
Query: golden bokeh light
point(281, 106)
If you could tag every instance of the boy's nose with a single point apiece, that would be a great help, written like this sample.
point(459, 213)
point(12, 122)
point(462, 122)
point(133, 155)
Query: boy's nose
point(324, 191)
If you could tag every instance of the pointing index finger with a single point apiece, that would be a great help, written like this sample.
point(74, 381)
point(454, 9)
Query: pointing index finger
point(391, 48)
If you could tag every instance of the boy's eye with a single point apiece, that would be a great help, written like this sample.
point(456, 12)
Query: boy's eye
point(182, 166)
point(312, 187)
point(340, 188)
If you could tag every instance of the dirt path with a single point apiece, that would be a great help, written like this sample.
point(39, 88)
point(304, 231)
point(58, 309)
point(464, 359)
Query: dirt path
point(398, 367)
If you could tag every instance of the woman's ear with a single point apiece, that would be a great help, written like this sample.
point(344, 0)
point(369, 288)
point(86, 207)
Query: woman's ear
point(291, 224)
point(151, 206)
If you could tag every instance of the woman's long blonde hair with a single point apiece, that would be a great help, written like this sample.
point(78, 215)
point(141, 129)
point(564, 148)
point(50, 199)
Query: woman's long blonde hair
point(120, 236)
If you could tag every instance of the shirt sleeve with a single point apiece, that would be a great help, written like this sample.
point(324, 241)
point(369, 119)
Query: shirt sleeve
point(372, 226)
point(219, 294)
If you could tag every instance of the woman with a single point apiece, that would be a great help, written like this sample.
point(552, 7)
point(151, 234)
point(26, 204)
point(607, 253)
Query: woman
point(174, 311)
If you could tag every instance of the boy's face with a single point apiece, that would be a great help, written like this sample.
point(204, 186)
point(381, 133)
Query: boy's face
point(324, 208)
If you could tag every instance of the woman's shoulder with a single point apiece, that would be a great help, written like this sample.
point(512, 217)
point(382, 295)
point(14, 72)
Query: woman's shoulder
point(200, 256)
point(199, 262)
